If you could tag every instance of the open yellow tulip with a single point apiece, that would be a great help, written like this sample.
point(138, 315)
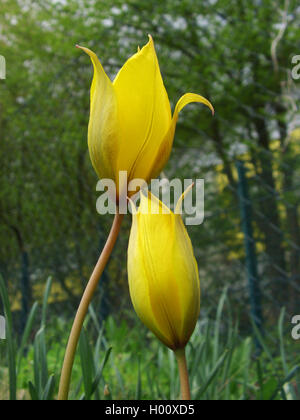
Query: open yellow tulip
point(163, 274)
point(131, 127)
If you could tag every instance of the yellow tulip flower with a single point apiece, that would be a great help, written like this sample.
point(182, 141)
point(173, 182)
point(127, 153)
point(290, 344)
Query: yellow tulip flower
point(131, 127)
point(163, 274)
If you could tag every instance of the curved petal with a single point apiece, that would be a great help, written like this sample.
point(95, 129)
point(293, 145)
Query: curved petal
point(164, 151)
point(187, 280)
point(187, 99)
point(186, 268)
point(182, 197)
point(144, 110)
point(103, 133)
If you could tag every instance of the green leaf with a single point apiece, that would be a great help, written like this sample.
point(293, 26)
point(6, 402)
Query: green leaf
point(11, 349)
point(33, 392)
point(100, 371)
point(49, 389)
point(87, 363)
point(213, 374)
point(45, 301)
point(26, 334)
point(40, 362)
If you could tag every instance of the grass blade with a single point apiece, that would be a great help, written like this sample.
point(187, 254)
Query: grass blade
point(26, 334)
point(45, 302)
point(11, 350)
point(100, 371)
point(213, 374)
point(49, 389)
point(87, 364)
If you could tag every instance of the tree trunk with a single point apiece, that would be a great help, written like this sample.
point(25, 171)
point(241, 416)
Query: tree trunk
point(268, 219)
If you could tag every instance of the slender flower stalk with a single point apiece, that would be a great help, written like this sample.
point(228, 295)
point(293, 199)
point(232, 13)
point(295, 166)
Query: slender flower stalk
point(132, 129)
point(83, 308)
point(183, 374)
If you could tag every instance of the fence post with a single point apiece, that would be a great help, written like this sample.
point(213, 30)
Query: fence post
point(250, 248)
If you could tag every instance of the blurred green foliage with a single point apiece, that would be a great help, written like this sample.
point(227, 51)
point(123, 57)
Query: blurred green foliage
point(219, 49)
point(122, 361)
point(230, 52)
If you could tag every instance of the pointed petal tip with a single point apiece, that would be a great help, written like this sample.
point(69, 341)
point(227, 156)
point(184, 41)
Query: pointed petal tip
point(87, 51)
point(181, 198)
point(146, 47)
point(134, 210)
point(79, 47)
point(151, 41)
point(208, 104)
point(93, 57)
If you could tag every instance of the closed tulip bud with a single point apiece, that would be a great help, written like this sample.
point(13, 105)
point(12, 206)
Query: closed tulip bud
point(163, 274)
point(131, 127)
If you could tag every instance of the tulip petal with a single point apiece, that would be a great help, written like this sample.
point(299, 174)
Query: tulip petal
point(185, 267)
point(164, 151)
point(144, 110)
point(141, 284)
point(187, 99)
point(103, 130)
point(181, 198)
point(152, 205)
point(163, 274)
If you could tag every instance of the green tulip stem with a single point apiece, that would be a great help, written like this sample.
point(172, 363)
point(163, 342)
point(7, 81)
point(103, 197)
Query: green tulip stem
point(83, 308)
point(183, 374)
